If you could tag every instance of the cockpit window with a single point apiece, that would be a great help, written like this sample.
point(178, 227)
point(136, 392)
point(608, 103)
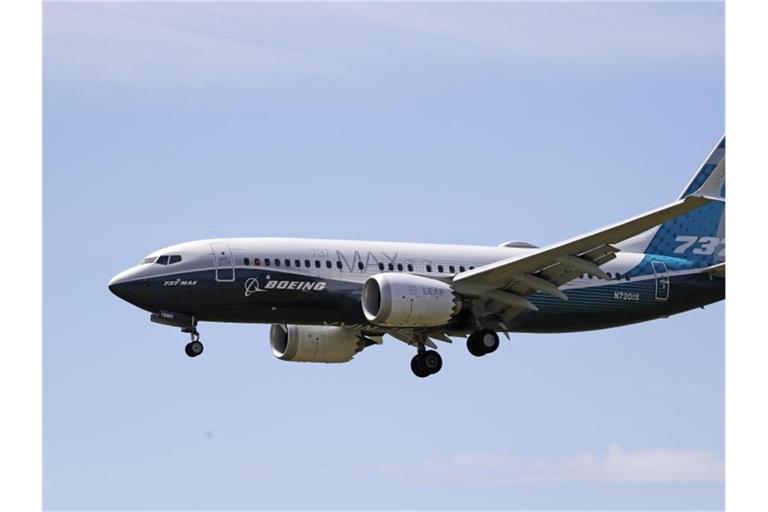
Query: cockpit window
point(165, 259)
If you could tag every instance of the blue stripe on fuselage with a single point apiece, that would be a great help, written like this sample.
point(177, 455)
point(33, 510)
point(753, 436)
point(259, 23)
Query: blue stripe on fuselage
point(618, 303)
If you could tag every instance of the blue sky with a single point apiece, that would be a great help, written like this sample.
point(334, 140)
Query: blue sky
point(450, 123)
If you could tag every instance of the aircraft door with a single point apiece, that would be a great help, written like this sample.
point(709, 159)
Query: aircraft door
point(662, 280)
point(222, 262)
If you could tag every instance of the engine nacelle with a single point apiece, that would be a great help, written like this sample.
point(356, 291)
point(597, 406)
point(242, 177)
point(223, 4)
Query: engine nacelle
point(405, 300)
point(314, 344)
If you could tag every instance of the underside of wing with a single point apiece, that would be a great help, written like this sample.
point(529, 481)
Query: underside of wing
point(425, 336)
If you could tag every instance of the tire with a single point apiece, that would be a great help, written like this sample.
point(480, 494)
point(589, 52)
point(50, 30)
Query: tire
point(474, 346)
point(432, 361)
point(417, 367)
point(193, 348)
point(488, 340)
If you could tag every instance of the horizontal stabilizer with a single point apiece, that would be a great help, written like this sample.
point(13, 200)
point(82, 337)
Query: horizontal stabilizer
point(716, 270)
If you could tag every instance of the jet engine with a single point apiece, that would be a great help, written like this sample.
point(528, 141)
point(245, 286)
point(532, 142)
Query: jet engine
point(405, 300)
point(314, 344)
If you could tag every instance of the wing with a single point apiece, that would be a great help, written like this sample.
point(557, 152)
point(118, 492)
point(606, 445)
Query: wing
point(503, 285)
point(563, 261)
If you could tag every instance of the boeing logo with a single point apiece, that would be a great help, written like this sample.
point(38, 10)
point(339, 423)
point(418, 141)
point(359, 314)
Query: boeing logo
point(252, 286)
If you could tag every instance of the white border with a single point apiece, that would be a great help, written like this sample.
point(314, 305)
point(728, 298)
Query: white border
point(746, 340)
point(20, 203)
point(20, 206)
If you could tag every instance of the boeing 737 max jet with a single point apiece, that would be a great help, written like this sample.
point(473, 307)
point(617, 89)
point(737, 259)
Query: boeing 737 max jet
point(328, 300)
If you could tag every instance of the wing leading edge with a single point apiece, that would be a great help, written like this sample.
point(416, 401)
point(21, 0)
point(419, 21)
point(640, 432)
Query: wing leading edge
point(550, 267)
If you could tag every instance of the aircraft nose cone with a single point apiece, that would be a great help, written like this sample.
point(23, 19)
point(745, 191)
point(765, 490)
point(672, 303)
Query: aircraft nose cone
point(121, 284)
point(133, 287)
point(117, 286)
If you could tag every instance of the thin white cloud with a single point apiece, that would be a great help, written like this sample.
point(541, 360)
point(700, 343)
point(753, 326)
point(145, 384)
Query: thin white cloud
point(616, 465)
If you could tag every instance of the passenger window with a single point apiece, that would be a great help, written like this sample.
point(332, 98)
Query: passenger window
point(287, 262)
point(429, 268)
point(461, 268)
point(307, 263)
point(440, 269)
point(277, 262)
point(162, 260)
point(266, 262)
point(452, 269)
point(246, 261)
point(297, 263)
point(256, 261)
point(317, 263)
point(338, 265)
point(410, 268)
point(471, 267)
point(360, 265)
point(174, 259)
point(610, 275)
point(381, 266)
point(391, 266)
point(328, 264)
point(400, 267)
point(626, 277)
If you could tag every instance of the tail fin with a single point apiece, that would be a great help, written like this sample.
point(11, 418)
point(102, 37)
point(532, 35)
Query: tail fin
point(698, 236)
point(715, 158)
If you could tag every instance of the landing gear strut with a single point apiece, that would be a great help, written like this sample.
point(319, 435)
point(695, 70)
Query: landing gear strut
point(426, 362)
point(195, 347)
point(482, 342)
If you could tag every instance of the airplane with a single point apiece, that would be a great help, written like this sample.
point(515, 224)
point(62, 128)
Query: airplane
point(328, 300)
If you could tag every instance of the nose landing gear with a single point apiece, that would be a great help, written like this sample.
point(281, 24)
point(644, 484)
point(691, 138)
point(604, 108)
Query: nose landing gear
point(195, 347)
point(188, 324)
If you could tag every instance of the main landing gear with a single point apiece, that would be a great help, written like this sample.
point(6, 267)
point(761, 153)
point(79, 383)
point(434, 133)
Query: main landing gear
point(482, 342)
point(195, 347)
point(426, 362)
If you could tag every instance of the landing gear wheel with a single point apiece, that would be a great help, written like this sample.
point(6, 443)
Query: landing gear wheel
point(482, 342)
point(473, 345)
point(426, 363)
point(417, 367)
point(194, 348)
point(432, 361)
point(489, 340)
